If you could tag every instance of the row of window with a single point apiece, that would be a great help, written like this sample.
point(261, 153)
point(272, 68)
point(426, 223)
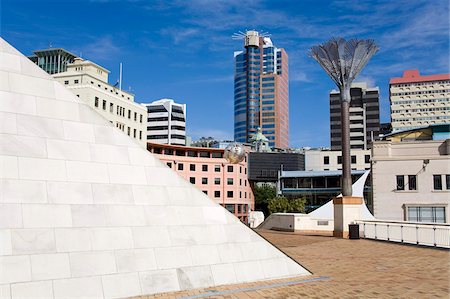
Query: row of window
point(411, 183)
point(420, 83)
point(420, 110)
point(420, 101)
point(192, 167)
point(119, 110)
point(420, 92)
point(326, 159)
point(230, 181)
point(77, 81)
point(230, 194)
point(135, 131)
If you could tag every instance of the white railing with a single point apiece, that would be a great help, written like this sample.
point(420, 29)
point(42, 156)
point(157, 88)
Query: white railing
point(420, 233)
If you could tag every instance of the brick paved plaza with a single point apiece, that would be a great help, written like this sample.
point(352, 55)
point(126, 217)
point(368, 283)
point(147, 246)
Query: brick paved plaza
point(348, 269)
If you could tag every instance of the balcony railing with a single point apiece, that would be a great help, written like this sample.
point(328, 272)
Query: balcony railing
point(419, 233)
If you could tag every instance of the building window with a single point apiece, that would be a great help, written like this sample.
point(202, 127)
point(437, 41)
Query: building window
point(230, 208)
point(426, 214)
point(217, 168)
point(240, 169)
point(128, 131)
point(230, 194)
point(240, 182)
point(204, 181)
point(206, 192)
point(204, 167)
point(412, 182)
point(96, 102)
point(339, 159)
point(353, 158)
point(140, 135)
point(437, 182)
point(216, 194)
point(229, 181)
point(134, 133)
point(135, 116)
point(169, 164)
point(326, 160)
point(240, 196)
point(111, 107)
point(447, 181)
point(104, 105)
point(192, 167)
point(216, 181)
point(366, 158)
point(180, 166)
point(230, 168)
point(192, 180)
point(140, 118)
point(129, 114)
point(66, 82)
point(400, 182)
point(76, 81)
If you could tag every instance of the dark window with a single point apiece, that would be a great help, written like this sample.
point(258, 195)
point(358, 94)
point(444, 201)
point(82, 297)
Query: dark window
point(140, 118)
point(76, 81)
point(192, 167)
point(206, 192)
point(204, 154)
point(135, 116)
point(229, 181)
point(204, 167)
point(204, 181)
point(400, 182)
point(367, 159)
point(180, 166)
point(230, 194)
point(326, 160)
point(353, 159)
point(447, 181)
point(216, 194)
point(192, 180)
point(169, 164)
point(217, 168)
point(412, 182)
point(111, 107)
point(96, 102)
point(66, 82)
point(129, 114)
point(437, 182)
point(216, 181)
point(339, 159)
point(240, 169)
point(230, 168)
point(104, 105)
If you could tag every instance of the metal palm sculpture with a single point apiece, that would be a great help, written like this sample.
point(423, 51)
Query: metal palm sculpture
point(343, 61)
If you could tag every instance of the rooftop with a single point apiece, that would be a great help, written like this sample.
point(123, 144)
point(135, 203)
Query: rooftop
point(411, 76)
point(345, 269)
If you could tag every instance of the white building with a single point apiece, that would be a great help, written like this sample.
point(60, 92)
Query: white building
point(166, 122)
point(323, 160)
point(411, 176)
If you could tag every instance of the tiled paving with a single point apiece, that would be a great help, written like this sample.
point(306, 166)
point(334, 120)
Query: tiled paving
point(355, 268)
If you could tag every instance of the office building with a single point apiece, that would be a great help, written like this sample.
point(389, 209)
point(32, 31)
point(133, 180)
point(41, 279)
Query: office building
point(89, 81)
point(166, 122)
point(261, 91)
point(324, 160)
point(206, 168)
point(364, 116)
point(411, 177)
point(419, 100)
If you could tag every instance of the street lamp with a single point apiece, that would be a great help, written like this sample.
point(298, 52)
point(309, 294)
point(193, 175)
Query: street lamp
point(343, 61)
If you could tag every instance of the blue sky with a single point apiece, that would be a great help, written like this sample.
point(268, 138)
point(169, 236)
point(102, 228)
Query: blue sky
point(183, 49)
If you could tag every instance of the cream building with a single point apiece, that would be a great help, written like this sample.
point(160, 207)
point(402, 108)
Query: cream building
point(411, 179)
point(322, 160)
point(419, 100)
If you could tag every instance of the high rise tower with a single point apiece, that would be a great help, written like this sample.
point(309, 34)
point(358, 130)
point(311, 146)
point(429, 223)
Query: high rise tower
point(261, 91)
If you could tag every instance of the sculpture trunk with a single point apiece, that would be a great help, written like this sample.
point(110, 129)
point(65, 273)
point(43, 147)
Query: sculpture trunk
point(345, 135)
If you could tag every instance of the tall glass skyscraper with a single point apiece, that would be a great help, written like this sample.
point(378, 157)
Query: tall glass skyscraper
point(261, 91)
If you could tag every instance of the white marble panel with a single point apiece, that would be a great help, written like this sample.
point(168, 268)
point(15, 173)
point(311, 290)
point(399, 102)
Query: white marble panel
point(121, 285)
point(78, 131)
point(125, 174)
point(42, 169)
point(120, 215)
point(8, 123)
point(195, 277)
point(50, 266)
point(214, 215)
point(181, 235)
point(11, 216)
point(179, 196)
point(217, 233)
point(107, 153)
point(4, 85)
point(112, 194)
point(34, 86)
point(92, 263)
point(89, 115)
point(161, 215)
point(88, 215)
point(5, 242)
point(9, 62)
point(32, 290)
point(57, 109)
point(150, 236)
point(274, 268)
point(69, 193)
point(75, 288)
point(204, 255)
point(161, 176)
point(111, 238)
point(87, 172)
point(43, 215)
point(25, 146)
point(16, 103)
point(254, 251)
point(104, 134)
point(189, 215)
point(14, 269)
point(64, 94)
point(22, 191)
point(7, 48)
point(248, 271)
point(5, 291)
point(73, 239)
point(173, 257)
point(29, 68)
point(9, 167)
point(142, 157)
point(33, 241)
point(294, 268)
point(133, 260)
point(223, 274)
point(150, 195)
point(159, 281)
point(229, 252)
point(237, 233)
point(68, 150)
point(30, 125)
point(120, 138)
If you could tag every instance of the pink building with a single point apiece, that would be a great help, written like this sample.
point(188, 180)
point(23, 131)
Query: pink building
point(225, 183)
